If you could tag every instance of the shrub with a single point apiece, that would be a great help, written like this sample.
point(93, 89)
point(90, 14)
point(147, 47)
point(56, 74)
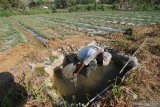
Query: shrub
point(40, 70)
point(53, 9)
point(102, 7)
point(8, 13)
point(88, 7)
point(53, 58)
point(73, 9)
point(84, 8)
point(36, 11)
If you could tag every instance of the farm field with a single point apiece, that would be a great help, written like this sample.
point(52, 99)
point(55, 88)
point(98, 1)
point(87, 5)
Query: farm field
point(30, 45)
point(9, 36)
point(60, 25)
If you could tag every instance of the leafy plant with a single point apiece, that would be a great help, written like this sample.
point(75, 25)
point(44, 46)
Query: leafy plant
point(117, 91)
point(40, 70)
point(53, 58)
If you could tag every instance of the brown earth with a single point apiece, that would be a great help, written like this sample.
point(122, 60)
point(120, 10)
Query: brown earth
point(26, 34)
point(13, 56)
point(75, 40)
point(144, 81)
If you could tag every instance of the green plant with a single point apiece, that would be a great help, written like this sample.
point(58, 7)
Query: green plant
point(40, 70)
point(8, 13)
point(117, 91)
point(52, 58)
point(36, 94)
point(36, 11)
point(53, 9)
point(101, 7)
point(129, 80)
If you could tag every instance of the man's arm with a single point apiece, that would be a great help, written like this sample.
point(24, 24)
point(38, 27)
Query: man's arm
point(88, 60)
point(76, 73)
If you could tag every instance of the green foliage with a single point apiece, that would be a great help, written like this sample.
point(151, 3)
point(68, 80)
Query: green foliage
point(138, 4)
point(35, 3)
point(129, 80)
point(117, 91)
point(91, 7)
point(29, 11)
point(85, 1)
point(40, 70)
point(72, 3)
point(61, 3)
point(52, 58)
point(8, 13)
point(36, 11)
point(53, 9)
point(7, 4)
point(146, 6)
point(37, 94)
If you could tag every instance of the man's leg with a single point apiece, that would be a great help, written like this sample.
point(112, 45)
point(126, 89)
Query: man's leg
point(90, 67)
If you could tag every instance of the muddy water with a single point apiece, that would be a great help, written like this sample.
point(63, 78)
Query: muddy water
point(87, 88)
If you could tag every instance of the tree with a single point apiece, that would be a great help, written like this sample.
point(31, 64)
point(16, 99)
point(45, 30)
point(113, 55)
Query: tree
point(25, 3)
point(107, 1)
point(6, 4)
point(61, 3)
point(86, 1)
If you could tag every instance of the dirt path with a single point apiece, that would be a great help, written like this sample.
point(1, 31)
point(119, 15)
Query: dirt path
point(13, 56)
point(26, 33)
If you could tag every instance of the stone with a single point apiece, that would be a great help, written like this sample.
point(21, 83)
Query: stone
point(49, 70)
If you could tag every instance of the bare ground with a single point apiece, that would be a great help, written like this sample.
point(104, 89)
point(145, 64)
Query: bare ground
point(141, 88)
point(143, 82)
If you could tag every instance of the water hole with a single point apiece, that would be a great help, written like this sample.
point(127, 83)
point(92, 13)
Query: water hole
point(87, 88)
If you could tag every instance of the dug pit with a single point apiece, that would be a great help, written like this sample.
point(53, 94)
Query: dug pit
point(87, 88)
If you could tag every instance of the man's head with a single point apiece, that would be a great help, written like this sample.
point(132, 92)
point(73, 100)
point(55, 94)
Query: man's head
point(104, 58)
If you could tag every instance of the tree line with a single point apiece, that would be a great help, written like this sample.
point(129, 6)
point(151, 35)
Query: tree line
point(16, 4)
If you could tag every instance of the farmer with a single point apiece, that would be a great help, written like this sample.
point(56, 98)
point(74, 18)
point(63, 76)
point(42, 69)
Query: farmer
point(89, 57)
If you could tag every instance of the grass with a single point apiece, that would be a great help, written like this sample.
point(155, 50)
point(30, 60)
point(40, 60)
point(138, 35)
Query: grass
point(31, 85)
point(53, 58)
point(7, 13)
point(91, 7)
point(40, 70)
point(37, 95)
point(117, 91)
point(9, 36)
point(36, 11)
point(28, 11)
point(61, 25)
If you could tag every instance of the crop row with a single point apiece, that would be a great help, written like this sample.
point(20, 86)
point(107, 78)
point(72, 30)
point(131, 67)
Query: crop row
point(44, 28)
point(59, 25)
point(9, 36)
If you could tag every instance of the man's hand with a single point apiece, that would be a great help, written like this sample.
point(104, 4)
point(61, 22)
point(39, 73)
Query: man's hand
point(75, 74)
point(101, 50)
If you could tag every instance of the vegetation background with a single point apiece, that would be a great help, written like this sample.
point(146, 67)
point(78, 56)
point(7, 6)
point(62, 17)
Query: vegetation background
point(17, 7)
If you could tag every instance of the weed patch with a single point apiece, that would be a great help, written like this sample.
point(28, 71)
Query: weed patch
point(40, 70)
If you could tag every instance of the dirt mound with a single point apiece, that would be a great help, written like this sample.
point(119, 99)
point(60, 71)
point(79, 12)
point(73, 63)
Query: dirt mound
point(26, 34)
point(144, 82)
point(155, 49)
point(76, 40)
point(141, 30)
point(13, 56)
